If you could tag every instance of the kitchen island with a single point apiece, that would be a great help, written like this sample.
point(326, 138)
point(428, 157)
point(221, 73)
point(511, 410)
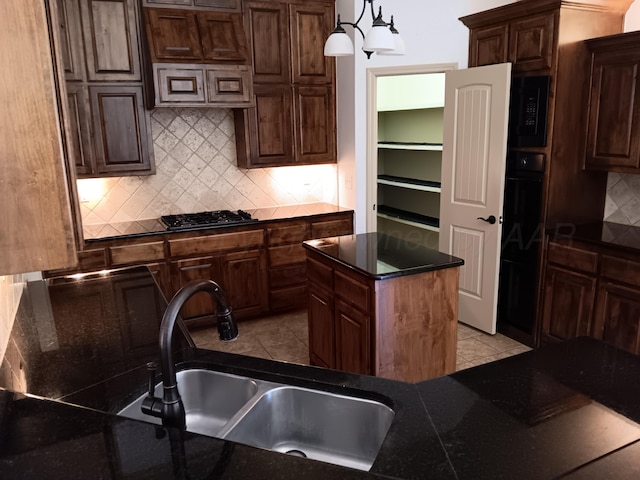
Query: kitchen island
point(566, 410)
point(381, 305)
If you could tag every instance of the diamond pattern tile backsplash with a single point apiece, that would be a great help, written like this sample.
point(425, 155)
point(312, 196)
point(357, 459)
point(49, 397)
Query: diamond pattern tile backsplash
point(623, 199)
point(196, 171)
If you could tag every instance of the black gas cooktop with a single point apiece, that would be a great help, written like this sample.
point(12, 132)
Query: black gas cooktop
point(217, 218)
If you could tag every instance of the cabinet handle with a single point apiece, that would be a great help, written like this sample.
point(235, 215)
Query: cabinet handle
point(195, 267)
point(178, 49)
point(490, 219)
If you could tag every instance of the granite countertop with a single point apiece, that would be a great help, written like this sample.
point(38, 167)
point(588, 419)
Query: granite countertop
point(569, 409)
point(380, 256)
point(155, 226)
point(624, 237)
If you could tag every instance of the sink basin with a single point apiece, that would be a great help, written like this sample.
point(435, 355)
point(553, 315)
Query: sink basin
point(323, 426)
point(210, 399)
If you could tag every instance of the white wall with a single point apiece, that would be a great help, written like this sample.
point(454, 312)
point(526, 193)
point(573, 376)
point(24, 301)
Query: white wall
point(433, 34)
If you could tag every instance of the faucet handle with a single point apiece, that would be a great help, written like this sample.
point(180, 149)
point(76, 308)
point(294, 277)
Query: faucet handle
point(152, 367)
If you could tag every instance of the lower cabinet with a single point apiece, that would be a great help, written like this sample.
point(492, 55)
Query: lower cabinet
point(322, 350)
point(200, 308)
point(244, 279)
point(599, 297)
point(353, 338)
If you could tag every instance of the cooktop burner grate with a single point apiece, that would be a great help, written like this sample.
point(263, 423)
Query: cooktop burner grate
point(217, 218)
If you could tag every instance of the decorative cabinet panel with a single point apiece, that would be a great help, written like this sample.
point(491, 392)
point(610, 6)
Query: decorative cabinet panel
point(617, 316)
point(293, 122)
point(613, 136)
point(111, 40)
point(108, 128)
point(488, 45)
point(202, 85)
point(322, 349)
point(244, 279)
point(353, 349)
point(121, 139)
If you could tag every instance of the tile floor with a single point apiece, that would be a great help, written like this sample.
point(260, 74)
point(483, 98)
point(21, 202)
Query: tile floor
point(284, 337)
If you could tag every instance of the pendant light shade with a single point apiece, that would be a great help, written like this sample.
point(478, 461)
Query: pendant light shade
point(338, 44)
point(398, 47)
point(382, 38)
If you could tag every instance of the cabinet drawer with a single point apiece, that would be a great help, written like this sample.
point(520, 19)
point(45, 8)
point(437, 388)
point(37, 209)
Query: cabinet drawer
point(144, 252)
point(92, 260)
point(332, 228)
point(319, 273)
point(573, 258)
point(177, 84)
point(286, 255)
point(352, 291)
point(295, 233)
point(229, 85)
point(620, 270)
point(213, 243)
point(287, 276)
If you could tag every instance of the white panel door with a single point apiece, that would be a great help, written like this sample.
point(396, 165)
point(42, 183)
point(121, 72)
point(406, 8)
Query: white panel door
point(473, 167)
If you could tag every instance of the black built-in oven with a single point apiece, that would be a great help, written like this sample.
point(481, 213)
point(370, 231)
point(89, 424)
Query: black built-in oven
point(521, 243)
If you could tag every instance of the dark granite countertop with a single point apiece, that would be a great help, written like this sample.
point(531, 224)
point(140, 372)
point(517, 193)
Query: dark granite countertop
point(380, 256)
point(623, 237)
point(566, 409)
point(154, 226)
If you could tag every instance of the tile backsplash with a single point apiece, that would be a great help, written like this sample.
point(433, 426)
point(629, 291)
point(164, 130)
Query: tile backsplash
point(196, 171)
point(623, 199)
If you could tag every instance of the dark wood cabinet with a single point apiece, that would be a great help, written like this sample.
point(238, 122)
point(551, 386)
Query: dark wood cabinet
point(221, 5)
point(613, 136)
point(108, 127)
point(592, 290)
point(293, 122)
point(122, 140)
point(200, 308)
point(353, 339)
point(526, 41)
point(244, 278)
point(194, 36)
point(322, 348)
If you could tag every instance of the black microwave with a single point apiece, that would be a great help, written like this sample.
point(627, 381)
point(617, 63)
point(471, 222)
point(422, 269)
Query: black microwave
point(528, 111)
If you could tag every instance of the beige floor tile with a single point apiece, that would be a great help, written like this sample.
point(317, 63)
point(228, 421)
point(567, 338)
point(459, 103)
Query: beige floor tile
point(473, 349)
point(465, 331)
point(499, 341)
point(289, 351)
point(301, 331)
point(277, 337)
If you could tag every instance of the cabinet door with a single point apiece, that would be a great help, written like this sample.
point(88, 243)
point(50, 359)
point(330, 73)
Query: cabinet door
point(244, 279)
point(120, 125)
point(264, 134)
point(80, 128)
point(568, 304)
point(111, 40)
point(531, 42)
point(222, 36)
point(613, 139)
point(353, 339)
point(617, 317)
point(173, 35)
point(322, 350)
point(228, 85)
point(488, 45)
point(310, 25)
point(71, 47)
point(267, 26)
point(200, 305)
point(315, 113)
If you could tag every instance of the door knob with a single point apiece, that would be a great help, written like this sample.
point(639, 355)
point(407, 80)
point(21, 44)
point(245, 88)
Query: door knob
point(490, 219)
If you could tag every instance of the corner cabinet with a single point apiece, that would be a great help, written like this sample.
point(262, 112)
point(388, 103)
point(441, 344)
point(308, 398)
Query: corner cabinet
point(109, 128)
point(613, 133)
point(293, 121)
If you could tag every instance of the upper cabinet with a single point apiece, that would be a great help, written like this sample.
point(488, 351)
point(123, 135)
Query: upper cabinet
point(37, 231)
point(293, 121)
point(613, 136)
point(198, 53)
point(109, 128)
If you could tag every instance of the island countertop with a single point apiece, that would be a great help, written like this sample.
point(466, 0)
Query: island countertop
point(380, 256)
point(565, 410)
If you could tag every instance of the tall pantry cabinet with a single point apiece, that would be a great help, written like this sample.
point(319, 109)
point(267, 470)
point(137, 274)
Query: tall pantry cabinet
point(546, 37)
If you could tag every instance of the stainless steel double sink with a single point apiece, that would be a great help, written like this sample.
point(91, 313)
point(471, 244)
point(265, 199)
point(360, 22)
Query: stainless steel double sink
point(328, 427)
